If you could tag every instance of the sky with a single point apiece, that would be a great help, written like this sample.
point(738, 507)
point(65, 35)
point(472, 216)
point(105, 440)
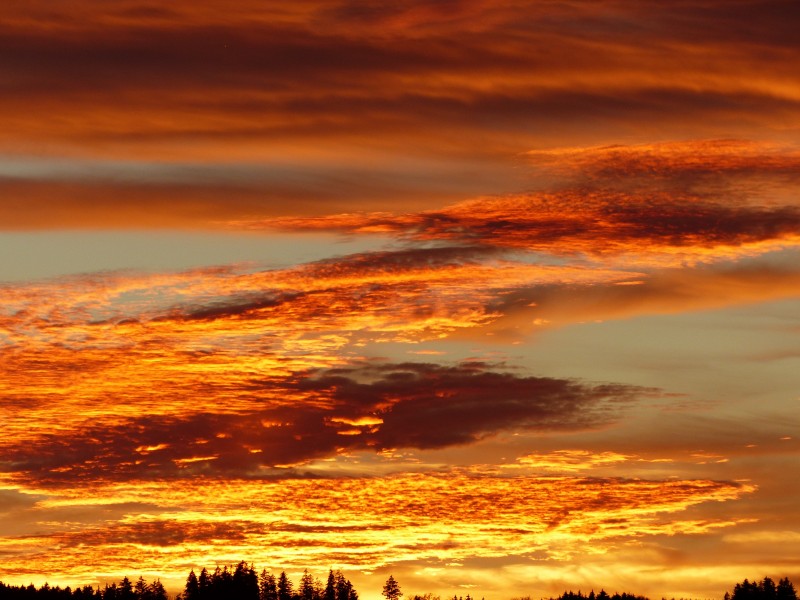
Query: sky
point(500, 298)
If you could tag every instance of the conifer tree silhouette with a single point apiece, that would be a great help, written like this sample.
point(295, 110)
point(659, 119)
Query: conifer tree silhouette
point(391, 590)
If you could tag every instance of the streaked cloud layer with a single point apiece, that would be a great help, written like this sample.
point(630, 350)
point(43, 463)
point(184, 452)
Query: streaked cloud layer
point(327, 106)
point(469, 307)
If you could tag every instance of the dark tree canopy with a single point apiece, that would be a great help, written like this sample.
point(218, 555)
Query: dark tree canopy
point(124, 590)
point(601, 595)
point(766, 589)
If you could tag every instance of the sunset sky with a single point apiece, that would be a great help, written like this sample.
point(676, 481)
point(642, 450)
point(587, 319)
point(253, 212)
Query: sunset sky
point(498, 297)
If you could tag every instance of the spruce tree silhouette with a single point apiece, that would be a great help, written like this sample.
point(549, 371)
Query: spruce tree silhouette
point(268, 587)
point(192, 589)
point(125, 590)
point(330, 587)
point(344, 589)
point(285, 587)
point(155, 591)
point(140, 589)
point(391, 590)
point(785, 590)
point(244, 582)
point(306, 589)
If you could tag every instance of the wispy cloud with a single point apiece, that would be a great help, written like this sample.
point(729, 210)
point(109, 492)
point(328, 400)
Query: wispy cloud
point(412, 93)
point(662, 204)
point(375, 521)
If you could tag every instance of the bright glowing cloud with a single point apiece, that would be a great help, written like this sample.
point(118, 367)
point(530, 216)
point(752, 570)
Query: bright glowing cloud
point(499, 297)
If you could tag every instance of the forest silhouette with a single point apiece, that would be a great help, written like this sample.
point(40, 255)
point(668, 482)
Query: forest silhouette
point(243, 582)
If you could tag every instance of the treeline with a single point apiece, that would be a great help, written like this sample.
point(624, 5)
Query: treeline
point(766, 589)
point(601, 595)
point(241, 582)
point(435, 597)
point(125, 590)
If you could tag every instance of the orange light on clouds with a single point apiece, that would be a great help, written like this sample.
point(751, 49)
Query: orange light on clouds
point(557, 350)
point(356, 524)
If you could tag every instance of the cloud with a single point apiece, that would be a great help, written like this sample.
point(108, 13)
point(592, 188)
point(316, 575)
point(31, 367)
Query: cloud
point(764, 536)
point(418, 398)
point(239, 370)
point(203, 355)
point(669, 291)
point(373, 406)
point(435, 103)
point(685, 165)
point(571, 461)
point(237, 391)
point(75, 193)
point(361, 523)
point(658, 204)
point(14, 500)
point(651, 227)
point(405, 295)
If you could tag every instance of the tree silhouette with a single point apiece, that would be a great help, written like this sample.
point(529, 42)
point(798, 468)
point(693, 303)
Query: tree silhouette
point(306, 589)
point(125, 590)
point(156, 591)
point(192, 589)
point(140, 589)
point(391, 590)
point(267, 586)
point(426, 596)
point(785, 590)
point(204, 583)
point(330, 587)
point(344, 588)
point(285, 587)
point(766, 589)
point(602, 595)
point(244, 582)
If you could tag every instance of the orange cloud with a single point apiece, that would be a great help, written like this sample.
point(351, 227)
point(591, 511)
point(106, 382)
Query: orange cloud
point(261, 423)
point(570, 461)
point(271, 107)
point(358, 524)
point(654, 205)
point(692, 160)
point(207, 356)
point(652, 229)
point(156, 407)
